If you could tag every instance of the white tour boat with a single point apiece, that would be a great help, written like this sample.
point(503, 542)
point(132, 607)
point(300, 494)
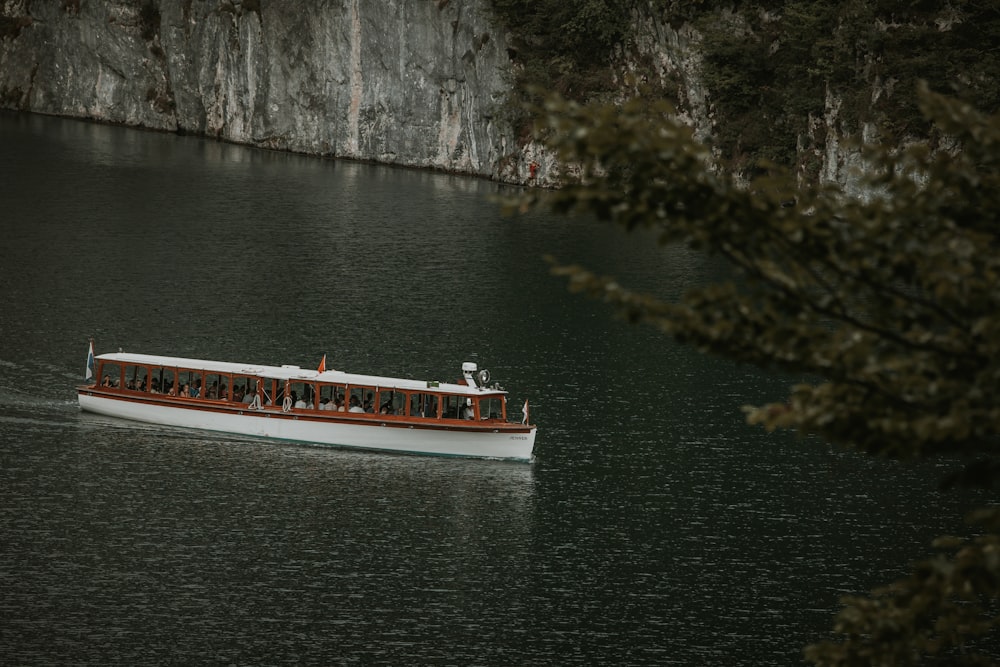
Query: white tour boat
point(330, 407)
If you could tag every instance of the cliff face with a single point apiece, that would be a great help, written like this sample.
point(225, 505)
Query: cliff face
point(410, 82)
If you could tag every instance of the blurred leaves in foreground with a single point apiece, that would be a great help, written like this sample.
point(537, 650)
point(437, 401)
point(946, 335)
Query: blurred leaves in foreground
point(889, 297)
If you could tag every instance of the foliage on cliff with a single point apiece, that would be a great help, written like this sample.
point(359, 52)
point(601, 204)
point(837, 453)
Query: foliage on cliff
point(891, 303)
point(771, 66)
point(561, 46)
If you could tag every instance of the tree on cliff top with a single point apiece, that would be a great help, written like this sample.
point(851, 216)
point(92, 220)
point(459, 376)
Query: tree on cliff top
point(892, 302)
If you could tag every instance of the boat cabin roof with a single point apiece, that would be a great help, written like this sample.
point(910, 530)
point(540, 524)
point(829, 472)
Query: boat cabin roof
point(296, 373)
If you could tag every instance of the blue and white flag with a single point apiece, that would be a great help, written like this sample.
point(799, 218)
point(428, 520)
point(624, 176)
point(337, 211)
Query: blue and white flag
point(90, 362)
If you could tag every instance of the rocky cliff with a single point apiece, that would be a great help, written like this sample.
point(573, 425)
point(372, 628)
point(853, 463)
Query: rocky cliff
point(427, 83)
point(410, 82)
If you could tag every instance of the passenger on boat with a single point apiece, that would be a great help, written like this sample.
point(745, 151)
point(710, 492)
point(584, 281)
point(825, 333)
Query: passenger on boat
point(299, 402)
point(247, 397)
point(338, 404)
point(154, 386)
point(195, 390)
point(355, 405)
point(107, 381)
point(213, 390)
point(368, 407)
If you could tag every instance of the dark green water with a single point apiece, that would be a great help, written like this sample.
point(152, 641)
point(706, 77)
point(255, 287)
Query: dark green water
point(655, 527)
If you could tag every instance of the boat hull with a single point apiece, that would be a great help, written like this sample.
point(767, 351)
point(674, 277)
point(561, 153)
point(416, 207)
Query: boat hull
point(504, 441)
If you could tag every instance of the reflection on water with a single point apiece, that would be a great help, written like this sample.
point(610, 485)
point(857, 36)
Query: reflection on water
point(655, 527)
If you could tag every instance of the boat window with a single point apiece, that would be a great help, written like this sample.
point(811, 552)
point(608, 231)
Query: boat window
point(311, 396)
point(302, 395)
point(182, 388)
point(423, 405)
point(361, 399)
point(452, 405)
point(243, 388)
point(328, 396)
point(155, 380)
point(457, 407)
point(164, 380)
point(135, 378)
point(278, 388)
point(391, 402)
point(189, 383)
point(110, 374)
point(271, 390)
point(216, 386)
point(491, 408)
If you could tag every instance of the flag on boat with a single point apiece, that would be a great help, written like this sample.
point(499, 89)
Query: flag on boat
point(525, 411)
point(90, 362)
point(322, 365)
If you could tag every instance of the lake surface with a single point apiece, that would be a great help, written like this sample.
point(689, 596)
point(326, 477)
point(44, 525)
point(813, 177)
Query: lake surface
point(653, 528)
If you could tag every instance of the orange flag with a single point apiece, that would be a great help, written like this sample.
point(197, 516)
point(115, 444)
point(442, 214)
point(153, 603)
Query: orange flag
point(322, 365)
